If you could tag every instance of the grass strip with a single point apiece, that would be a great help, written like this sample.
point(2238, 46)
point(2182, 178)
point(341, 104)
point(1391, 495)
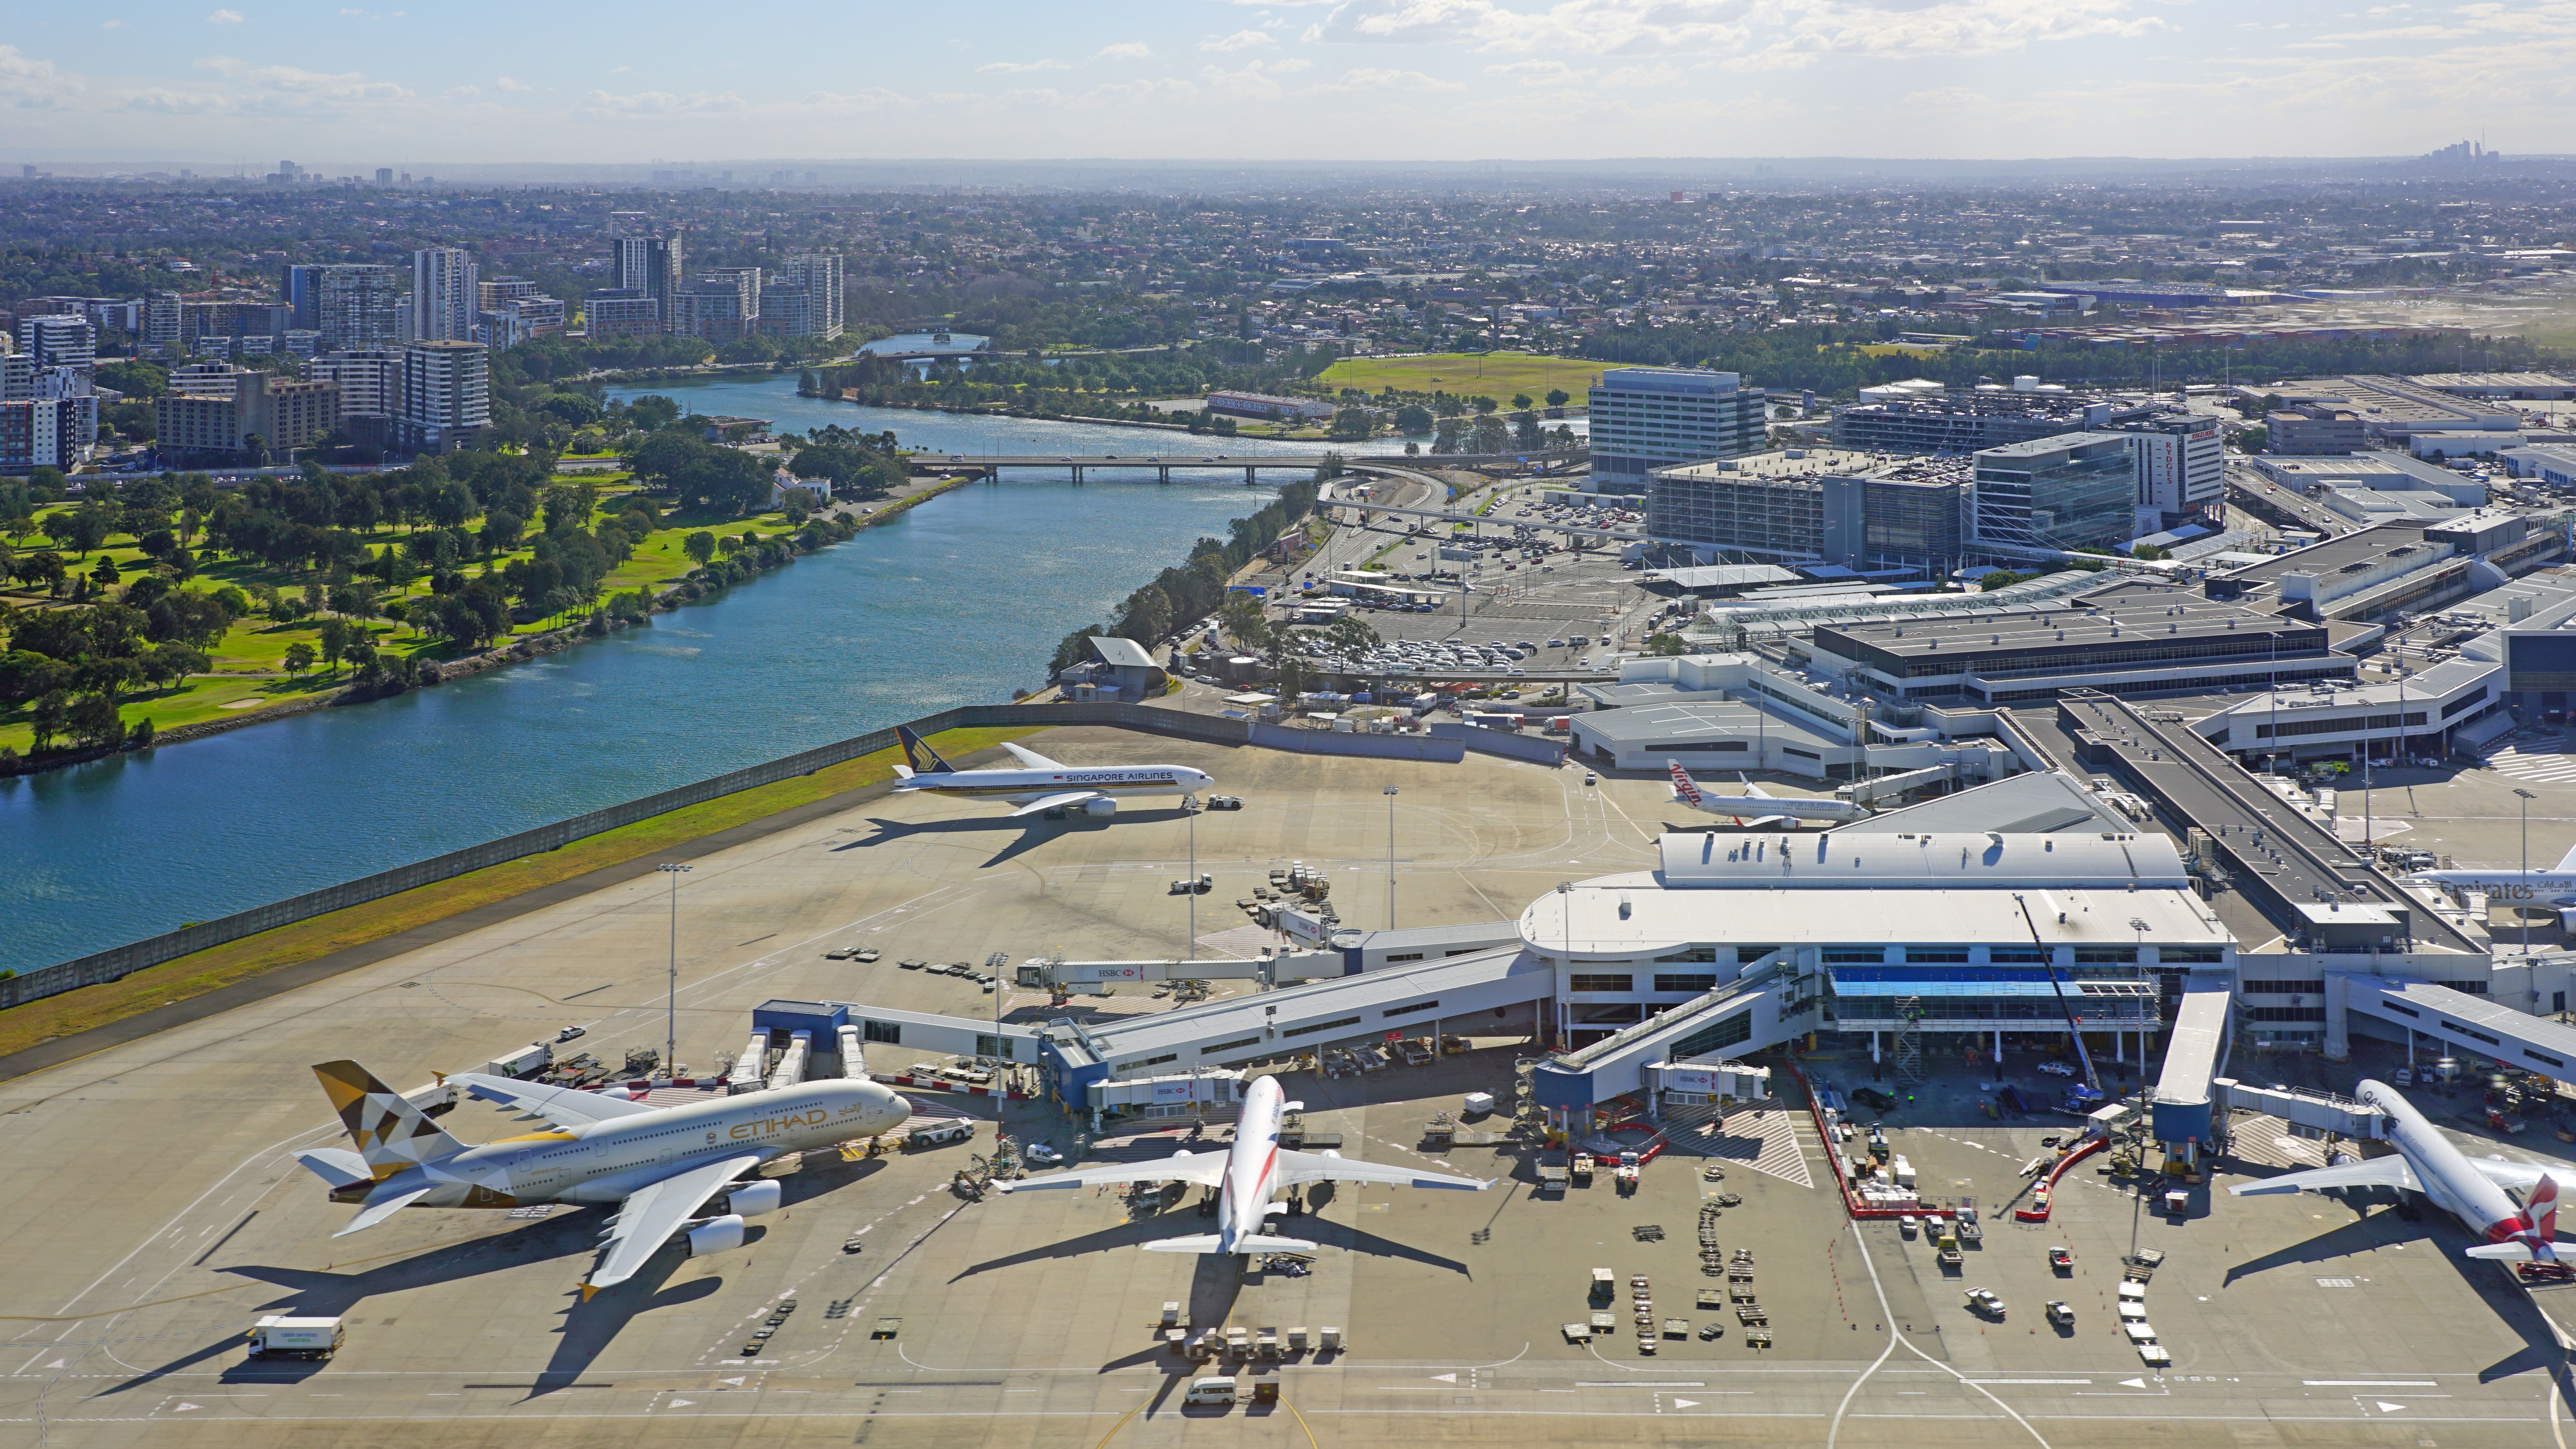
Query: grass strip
point(50, 1017)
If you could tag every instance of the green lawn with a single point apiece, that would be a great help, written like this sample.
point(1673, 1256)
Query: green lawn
point(1496, 375)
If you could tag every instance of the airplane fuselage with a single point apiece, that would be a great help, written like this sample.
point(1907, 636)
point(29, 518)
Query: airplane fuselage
point(1251, 1166)
point(1021, 786)
point(2449, 1180)
point(1755, 807)
point(2544, 886)
point(604, 1161)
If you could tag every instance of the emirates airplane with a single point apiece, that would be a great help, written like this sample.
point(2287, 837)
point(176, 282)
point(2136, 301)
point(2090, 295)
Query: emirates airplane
point(1042, 784)
point(1245, 1176)
point(660, 1164)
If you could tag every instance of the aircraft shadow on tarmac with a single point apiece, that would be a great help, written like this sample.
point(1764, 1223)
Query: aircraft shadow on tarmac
point(1033, 830)
point(1126, 1235)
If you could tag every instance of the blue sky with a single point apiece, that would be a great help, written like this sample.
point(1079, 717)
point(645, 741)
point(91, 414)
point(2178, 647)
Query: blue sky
point(474, 80)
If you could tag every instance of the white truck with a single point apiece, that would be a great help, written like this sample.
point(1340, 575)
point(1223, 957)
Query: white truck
point(535, 1057)
point(277, 1336)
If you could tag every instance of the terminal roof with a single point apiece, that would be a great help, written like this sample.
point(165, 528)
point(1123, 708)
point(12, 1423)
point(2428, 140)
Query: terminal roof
point(2035, 802)
point(1932, 861)
point(1628, 917)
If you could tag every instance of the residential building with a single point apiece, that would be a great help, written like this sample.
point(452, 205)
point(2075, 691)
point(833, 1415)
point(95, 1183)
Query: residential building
point(648, 264)
point(1645, 418)
point(446, 395)
point(58, 340)
point(371, 390)
point(2074, 490)
point(621, 312)
point(802, 297)
point(355, 304)
point(490, 293)
point(46, 432)
point(215, 410)
point(520, 318)
point(162, 323)
point(721, 307)
point(443, 283)
point(238, 321)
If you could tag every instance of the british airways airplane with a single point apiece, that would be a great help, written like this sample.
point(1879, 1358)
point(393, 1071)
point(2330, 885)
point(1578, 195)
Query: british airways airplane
point(2468, 1188)
point(1041, 783)
point(1255, 1167)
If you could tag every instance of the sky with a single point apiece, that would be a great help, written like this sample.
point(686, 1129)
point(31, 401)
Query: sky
point(348, 87)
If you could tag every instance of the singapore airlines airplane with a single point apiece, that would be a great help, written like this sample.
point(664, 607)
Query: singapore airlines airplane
point(1756, 806)
point(1043, 784)
point(2471, 1189)
point(1245, 1177)
point(663, 1164)
point(2552, 889)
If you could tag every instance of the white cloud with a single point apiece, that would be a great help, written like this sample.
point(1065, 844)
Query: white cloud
point(1240, 40)
point(32, 84)
point(111, 25)
point(1374, 79)
point(1126, 50)
point(1258, 80)
point(225, 17)
point(1019, 67)
point(1540, 73)
point(505, 83)
point(664, 103)
point(287, 80)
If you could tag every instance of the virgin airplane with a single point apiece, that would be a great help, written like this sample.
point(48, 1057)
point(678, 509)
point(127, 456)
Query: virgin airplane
point(1246, 1175)
point(1041, 783)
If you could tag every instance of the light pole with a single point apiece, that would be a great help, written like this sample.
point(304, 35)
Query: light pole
point(1390, 857)
point(671, 1025)
point(2527, 797)
point(1190, 808)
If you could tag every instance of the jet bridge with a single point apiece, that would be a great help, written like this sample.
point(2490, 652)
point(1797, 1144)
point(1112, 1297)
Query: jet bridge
point(1759, 1009)
point(2322, 1112)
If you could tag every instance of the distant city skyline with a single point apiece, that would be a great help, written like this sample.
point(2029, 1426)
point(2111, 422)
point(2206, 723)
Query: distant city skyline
point(248, 84)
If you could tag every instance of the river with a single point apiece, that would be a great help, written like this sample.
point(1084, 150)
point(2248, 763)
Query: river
point(957, 601)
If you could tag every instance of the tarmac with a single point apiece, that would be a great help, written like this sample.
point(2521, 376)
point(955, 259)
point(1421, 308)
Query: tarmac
point(165, 1212)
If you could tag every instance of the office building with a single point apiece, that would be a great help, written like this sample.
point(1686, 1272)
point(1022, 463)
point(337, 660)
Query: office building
point(1908, 514)
point(354, 304)
point(648, 264)
point(2074, 490)
point(1986, 418)
point(620, 312)
point(446, 395)
point(443, 282)
point(213, 412)
point(802, 297)
point(59, 339)
point(2182, 466)
point(2314, 430)
point(1645, 418)
point(723, 306)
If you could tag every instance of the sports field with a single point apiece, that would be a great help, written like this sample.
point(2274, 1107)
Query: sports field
point(1497, 375)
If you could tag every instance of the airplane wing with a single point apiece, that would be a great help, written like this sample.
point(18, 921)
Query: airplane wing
point(2389, 1171)
point(2520, 1176)
point(375, 1213)
point(1756, 791)
point(652, 1213)
point(1056, 802)
point(1032, 758)
point(1296, 1167)
point(1206, 1169)
point(562, 1106)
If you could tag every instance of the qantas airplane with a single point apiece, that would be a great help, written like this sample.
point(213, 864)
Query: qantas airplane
point(2471, 1189)
point(2552, 889)
point(1042, 784)
point(663, 1164)
point(1245, 1176)
point(1755, 806)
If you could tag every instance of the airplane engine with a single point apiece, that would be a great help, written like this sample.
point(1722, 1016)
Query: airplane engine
point(1100, 808)
point(716, 1235)
point(751, 1199)
point(1329, 1152)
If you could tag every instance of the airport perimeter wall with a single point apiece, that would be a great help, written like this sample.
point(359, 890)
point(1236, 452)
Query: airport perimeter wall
point(1538, 749)
point(120, 961)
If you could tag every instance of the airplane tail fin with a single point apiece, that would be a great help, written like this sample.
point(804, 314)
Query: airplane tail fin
point(2568, 865)
point(391, 1134)
point(2540, 1212)
point(1684, 786)
point(925, 760)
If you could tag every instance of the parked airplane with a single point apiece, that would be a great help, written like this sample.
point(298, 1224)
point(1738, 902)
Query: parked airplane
point(2549, 889)
point(1042, 784)
point(2471, 1189)
point(663, 1164)
point(1757, 806)
point(1245, 1177)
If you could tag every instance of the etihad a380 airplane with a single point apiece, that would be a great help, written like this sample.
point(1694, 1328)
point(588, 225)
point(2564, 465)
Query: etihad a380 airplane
point(2471, 1189)
point(1757, 806)
point(1245, 1176)
point(1042, 784)
point(664, 1165)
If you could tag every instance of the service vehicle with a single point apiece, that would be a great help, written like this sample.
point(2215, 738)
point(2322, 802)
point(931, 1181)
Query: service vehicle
point(278, 1336)
point(1983, 1300)
point(938, 1133)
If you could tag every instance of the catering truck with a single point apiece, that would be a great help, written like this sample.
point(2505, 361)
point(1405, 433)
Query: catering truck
point(277, 1336)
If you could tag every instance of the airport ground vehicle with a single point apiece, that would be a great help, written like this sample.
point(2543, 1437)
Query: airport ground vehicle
point(940, 1132)
point(1209, 1394)
point(278, 1336)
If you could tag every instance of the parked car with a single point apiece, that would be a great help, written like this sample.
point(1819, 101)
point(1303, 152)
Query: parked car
point(2057, 1069)
point(568, 1033)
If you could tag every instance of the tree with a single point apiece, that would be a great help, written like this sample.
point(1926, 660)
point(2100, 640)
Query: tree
point(166, 664)
point(1352, 423)
point(1521, 401)
point(1414, 418)
point(652, 412)
point(46, 719)
point(1146, 616)
point(93, 720)
point(299, 657)
point(501, 532)
point(336, 636)
point(700, 546)
point(1558, 397)
point(83, 528)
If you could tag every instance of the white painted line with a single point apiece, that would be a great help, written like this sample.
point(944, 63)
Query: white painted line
point(2368, 1383)
point(1973, 1382)
point(1624, 1384)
